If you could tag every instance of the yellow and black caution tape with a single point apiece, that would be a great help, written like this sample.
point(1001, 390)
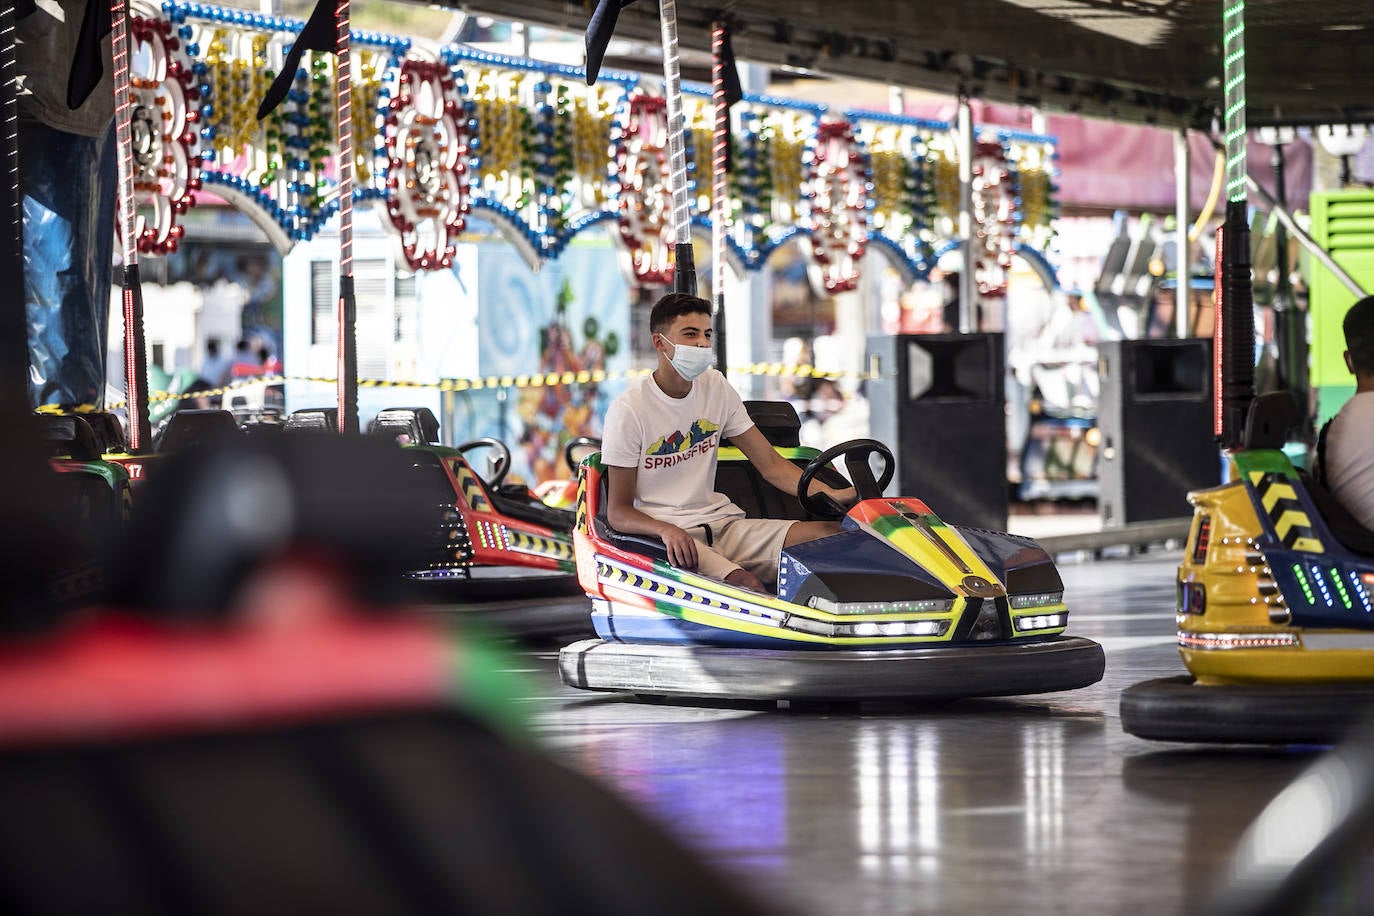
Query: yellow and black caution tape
point(156, 397)
point(538, 380)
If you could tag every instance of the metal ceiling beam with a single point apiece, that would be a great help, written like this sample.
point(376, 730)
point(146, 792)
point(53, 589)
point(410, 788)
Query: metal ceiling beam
point(893, 61)
point(1301, 72)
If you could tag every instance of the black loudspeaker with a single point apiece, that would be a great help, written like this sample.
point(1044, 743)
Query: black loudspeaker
point(939, 402)
point(1155, 414)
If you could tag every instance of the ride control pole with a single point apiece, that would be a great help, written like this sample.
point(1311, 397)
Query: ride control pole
point(720, 189)
point(1234, 334)
point(135, 344)
point(14, 350)
point(684, 268)
point(347, 308)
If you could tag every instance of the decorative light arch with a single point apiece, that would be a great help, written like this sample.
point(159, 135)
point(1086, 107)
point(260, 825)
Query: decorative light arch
point(524, 144)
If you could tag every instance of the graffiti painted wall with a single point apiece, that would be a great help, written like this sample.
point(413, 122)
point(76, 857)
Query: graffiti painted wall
point(572, 315)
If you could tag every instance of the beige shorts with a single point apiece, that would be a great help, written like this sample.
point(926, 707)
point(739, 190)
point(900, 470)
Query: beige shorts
point(742, 543)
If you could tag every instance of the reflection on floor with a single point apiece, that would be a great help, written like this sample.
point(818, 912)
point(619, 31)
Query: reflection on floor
point(1036, 805)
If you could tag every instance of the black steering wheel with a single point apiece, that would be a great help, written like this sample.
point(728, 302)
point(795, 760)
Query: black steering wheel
point(502, 459)
point(575, 444)
point(856, 453)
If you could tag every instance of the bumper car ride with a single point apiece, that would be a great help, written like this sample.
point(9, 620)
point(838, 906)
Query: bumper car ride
point(1275, 614)
point(898, 605)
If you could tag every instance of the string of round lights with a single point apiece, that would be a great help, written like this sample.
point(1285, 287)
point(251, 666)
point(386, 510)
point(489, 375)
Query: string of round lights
point(837, 191)
point(427, 168)
point(994, 210)
point(640, 154)
point(165, 130)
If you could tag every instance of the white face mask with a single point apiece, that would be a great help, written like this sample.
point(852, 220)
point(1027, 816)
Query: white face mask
point(690, 362)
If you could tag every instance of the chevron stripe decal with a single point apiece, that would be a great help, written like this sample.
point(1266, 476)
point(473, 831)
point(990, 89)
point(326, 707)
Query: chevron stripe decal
point(1292, 524)
point(539, 545)
point(580, 522)
point(472, 490)
point(654, 587)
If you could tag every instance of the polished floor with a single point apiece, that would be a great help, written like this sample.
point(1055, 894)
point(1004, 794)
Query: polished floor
point(1034, 805)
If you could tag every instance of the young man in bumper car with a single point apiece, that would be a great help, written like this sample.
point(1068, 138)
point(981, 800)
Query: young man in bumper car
point(888, 603)
point(661, 442)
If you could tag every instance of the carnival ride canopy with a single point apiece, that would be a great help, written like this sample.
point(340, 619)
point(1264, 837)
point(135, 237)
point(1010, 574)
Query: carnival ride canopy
point(1156, 61)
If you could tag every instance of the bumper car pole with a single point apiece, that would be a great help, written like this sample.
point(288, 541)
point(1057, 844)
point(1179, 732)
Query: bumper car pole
point(347, 309)
point(720, 156)
point(1234, 335)
point(135, 344)
point(685, 272)
point(14, 358)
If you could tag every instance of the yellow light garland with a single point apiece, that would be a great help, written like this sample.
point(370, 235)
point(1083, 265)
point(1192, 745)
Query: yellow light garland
point(946, 181)
point(592, 117)
point(785, 162)
point(366, 89)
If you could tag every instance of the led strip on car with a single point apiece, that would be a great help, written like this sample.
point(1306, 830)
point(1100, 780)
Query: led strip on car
point(1215, 642)
point(922, 606)
point(1039, 599)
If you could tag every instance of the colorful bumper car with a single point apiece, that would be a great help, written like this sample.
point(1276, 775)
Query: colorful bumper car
point(497, 551)
point(562, 494)
point(106, 439)
point(898, 605)
point(92, 502)
point(1275, 610)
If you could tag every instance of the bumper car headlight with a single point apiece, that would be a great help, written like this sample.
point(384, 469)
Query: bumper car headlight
point(869, 628)
point(1040, 622)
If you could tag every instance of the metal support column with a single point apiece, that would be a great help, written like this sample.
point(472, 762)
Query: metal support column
point(1316, 250)
point(1183, 248)
point(1290, 328)
point(968, 288)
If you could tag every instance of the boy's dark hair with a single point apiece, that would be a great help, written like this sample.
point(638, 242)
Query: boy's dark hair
point(671, 306)
point(1359, 335)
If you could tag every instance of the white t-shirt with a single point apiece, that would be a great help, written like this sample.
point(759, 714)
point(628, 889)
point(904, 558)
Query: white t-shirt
point(1349, 459)
point(673, 442)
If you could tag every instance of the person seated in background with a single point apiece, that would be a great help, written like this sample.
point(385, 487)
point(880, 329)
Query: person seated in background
point(246, 363)
point(269, 362)
point(215, 367)
point(1346, 450)
point(660, 444)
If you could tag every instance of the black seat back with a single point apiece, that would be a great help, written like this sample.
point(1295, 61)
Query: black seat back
point(193, 427)
point(777, 420)
point(68, 436)
point(419, 423)
point(1270, 418)
point(316, 418)
point(108, 430)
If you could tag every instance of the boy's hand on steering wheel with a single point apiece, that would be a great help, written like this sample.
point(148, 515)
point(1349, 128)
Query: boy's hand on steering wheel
point(846, 497)
point(682, 547)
